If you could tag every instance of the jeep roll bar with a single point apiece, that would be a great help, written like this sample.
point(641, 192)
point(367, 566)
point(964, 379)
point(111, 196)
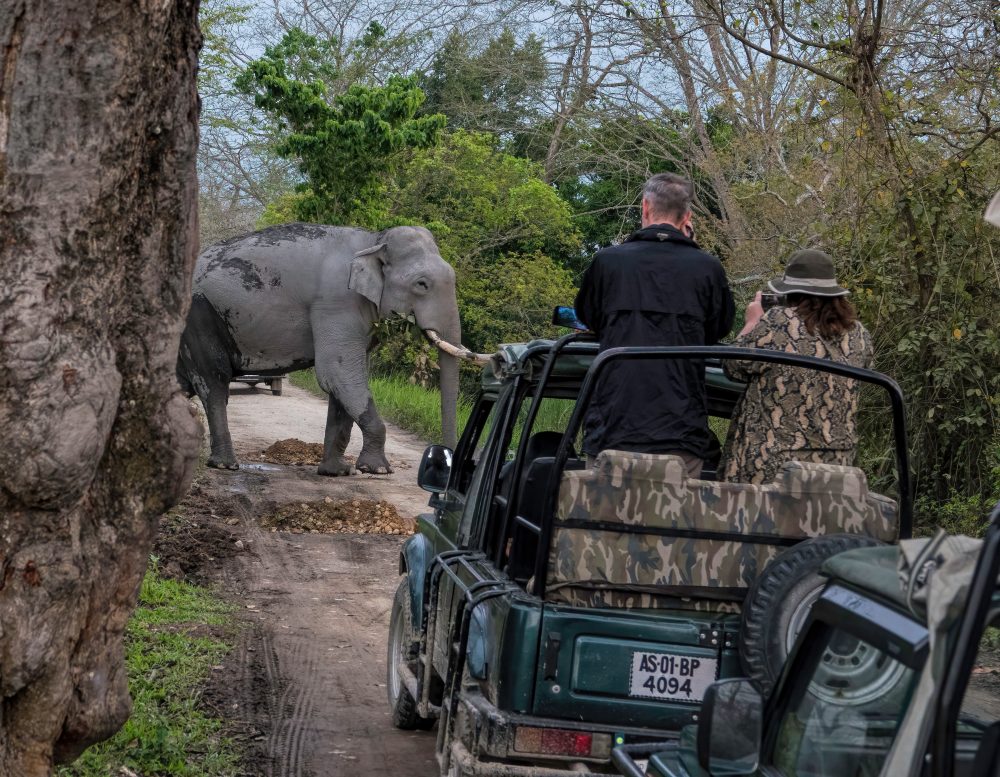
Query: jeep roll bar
point(612, 355)
point(562, 345)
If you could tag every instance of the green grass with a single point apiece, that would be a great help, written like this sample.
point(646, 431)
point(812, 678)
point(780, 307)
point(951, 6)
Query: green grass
point(169, 657)
point(411, 407)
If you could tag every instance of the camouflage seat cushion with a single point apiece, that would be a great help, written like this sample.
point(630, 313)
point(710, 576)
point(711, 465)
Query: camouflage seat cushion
point(595, 563)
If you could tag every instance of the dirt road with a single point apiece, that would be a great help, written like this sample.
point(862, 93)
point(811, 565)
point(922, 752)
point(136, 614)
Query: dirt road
point(307, 682)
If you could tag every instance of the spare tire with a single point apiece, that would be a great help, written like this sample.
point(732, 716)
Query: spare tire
point(779, 601)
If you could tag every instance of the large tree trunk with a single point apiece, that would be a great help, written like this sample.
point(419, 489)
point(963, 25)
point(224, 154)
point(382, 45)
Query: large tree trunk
point(98, 134)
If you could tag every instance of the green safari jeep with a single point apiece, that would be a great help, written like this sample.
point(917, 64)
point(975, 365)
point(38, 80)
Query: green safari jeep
point(549, 609)
point(896, 674)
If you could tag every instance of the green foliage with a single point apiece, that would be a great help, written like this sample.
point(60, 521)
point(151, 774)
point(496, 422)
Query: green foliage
point(925, 275)
point(959, 514)
point(168, 660)
point(282, 209)
point(345, 144)
point(605, 192)
point(481, 201)
point(216, 19)
point(511, 299)
point(495, 88)
point(498, 223)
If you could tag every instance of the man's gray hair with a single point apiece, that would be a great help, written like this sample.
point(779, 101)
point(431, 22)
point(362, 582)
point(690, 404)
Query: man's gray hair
point(669, 195)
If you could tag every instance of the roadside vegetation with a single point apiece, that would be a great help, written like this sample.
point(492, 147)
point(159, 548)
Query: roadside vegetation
point(409, 406)
point(174, 638)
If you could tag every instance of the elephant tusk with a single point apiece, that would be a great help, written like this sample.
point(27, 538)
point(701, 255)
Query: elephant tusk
point(458, 351)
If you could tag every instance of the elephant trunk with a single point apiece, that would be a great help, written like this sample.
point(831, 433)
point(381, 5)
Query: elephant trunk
point(448, 360)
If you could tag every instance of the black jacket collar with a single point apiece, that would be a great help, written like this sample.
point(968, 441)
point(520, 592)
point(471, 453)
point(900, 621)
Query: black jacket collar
point(659, 233)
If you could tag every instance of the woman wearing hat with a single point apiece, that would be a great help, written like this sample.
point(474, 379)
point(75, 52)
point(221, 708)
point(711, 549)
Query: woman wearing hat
point(791, 413)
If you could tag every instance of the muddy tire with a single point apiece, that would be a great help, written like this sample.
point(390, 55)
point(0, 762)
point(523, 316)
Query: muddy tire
point(402, 645)
point(778, 604)
point(276, 387)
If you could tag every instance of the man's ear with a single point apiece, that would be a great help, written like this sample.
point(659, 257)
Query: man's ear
point(366, 273)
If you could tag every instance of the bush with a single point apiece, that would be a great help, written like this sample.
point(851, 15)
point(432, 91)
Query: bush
point(958, 515)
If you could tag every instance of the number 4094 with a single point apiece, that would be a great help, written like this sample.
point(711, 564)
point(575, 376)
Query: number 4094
point(667, 685)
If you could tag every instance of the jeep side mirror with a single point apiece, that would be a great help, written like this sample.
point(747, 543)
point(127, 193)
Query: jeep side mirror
point(435, 468)
point(729, 728)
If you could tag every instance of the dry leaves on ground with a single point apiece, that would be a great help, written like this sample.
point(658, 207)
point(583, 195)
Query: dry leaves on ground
point(360, 516)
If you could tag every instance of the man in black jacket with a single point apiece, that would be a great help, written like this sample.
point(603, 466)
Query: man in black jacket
point(656, 288)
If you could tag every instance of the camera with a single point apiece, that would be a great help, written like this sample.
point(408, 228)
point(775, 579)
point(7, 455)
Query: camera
point(770, 300)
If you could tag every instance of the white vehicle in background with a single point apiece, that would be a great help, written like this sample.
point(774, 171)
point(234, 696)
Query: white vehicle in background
point(273, 382)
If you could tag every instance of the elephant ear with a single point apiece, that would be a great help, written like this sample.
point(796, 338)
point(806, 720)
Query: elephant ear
point(366, 273)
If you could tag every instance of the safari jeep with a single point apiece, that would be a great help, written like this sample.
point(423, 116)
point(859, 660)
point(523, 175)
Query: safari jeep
point(896, 674)
point(548, 609)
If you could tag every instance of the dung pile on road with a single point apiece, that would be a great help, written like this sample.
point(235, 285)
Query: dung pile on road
point(355, 516)
point(291, 451)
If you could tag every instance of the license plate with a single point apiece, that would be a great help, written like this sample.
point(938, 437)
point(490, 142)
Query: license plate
point(671, 677)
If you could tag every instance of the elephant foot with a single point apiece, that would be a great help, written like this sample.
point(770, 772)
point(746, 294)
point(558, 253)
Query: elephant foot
point(373, 463)
point(335, 468)
point(222, 462)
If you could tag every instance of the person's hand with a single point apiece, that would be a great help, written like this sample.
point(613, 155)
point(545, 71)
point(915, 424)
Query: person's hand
point(755, 311)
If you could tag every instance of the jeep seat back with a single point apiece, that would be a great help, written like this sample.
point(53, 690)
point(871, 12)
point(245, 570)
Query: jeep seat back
point(634, 531)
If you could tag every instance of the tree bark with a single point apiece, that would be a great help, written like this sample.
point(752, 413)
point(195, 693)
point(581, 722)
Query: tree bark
point(98, 236)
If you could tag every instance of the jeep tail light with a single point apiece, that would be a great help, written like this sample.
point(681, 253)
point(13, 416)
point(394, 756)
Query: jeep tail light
point(560, 741)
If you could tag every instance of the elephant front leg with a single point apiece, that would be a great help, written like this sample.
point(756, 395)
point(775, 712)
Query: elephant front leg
point(342, 372)
point(338, 434)
point(372, 457)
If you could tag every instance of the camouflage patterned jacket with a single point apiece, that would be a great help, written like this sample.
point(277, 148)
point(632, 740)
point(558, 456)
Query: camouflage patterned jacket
point(788, 413)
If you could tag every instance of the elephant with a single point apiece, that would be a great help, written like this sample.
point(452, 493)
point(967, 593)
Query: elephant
point(296, 295)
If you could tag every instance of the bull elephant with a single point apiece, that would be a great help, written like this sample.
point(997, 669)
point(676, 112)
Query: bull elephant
point(297, 295)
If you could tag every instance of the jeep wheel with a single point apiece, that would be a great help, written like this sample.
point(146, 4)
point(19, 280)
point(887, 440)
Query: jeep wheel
point(778, 603)
point(276, 387)
point(402, 647)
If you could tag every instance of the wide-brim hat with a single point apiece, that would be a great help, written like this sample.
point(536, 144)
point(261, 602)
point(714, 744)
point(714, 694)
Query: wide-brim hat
point(809, 272)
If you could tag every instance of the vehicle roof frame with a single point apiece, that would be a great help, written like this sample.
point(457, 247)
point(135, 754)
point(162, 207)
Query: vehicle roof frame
point(648, 353)
point(561, 346)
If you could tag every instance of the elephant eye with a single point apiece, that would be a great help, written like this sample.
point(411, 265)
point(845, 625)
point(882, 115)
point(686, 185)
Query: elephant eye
point(421, 286)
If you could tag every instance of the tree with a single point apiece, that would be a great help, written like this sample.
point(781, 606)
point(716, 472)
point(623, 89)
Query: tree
point(905, 107)
point(344, 143)
point(496, 88)
point(238, 172)
point(98, 136)
point(500, 225)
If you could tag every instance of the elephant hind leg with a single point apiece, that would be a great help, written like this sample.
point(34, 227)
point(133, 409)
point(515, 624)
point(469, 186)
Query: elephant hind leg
point(204, 367)
point(215, 399)
point(338, 434)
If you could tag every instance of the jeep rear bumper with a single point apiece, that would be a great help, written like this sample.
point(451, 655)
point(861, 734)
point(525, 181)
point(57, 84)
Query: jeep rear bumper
point(483, 743)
